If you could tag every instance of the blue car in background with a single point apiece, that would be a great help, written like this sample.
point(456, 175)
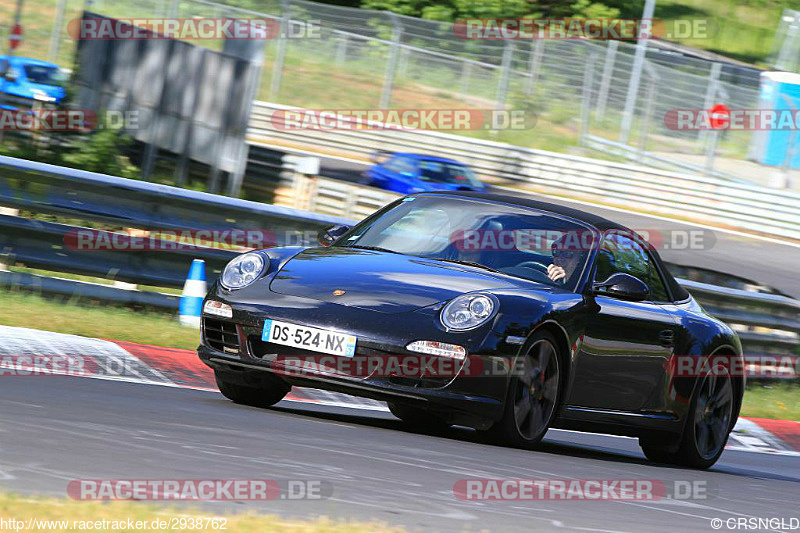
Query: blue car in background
point(28, 81)
point(407, 173)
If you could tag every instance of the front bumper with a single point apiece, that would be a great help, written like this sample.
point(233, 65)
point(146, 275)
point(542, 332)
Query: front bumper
point(234, 347)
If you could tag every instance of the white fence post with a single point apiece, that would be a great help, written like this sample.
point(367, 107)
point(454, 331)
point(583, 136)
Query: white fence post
point(388, 80)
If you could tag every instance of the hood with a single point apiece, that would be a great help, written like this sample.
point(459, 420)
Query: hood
point(381, 281)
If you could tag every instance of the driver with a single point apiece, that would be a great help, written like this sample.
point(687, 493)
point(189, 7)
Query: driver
point(565, 262)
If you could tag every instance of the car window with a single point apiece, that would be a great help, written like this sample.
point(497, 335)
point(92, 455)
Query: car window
point(515, 240)
point(43, 75)
point(419, 232)
point(621, 254)
point(391, 164)
point(401, 165)
point(447, 173)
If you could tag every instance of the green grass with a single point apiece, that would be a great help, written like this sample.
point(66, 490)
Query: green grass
point(780, 401)
point(94, 320)
point(746, 29)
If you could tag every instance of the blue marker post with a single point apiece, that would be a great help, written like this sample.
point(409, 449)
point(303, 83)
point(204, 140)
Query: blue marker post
point(194, 290)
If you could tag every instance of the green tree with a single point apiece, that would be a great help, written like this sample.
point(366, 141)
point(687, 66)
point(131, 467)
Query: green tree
point(100, 151)
point(450, 10)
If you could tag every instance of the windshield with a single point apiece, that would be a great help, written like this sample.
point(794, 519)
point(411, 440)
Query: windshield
point(513, 240)
point(43, 75)
point(447, 173)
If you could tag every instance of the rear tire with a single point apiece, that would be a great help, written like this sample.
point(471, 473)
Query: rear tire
point(265, 396)
point(709, 421)
point(708, 425)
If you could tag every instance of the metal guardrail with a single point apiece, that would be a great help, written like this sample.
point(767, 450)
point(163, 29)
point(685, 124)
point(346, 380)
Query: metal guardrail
point(713, 200)
point(81, 290)
point(767, 323)
point(43, 245)
point(332, 197)
point(98, 197)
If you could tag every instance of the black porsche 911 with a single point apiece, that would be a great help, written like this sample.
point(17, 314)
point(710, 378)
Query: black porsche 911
point(523, 316)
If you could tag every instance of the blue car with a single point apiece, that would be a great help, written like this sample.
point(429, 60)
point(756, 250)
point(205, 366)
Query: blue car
point(28, 81)
point(407, 173)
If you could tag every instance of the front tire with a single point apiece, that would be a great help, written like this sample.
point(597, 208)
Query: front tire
point(265, 396)
point(534, 394)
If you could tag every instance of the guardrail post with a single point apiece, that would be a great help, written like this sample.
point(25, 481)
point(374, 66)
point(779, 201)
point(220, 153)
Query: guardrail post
point(466, 76)
point(711, 94)
point(636, 76)
point(605, 81)
point(648, 117)
point(388, 80)
point(534, 65)
point(341, 50)
point(505, 74)
point(280, 53)
point(55, 36)
point(586, 98)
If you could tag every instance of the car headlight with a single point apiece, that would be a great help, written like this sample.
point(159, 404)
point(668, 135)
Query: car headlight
point(242, 271)
point(467, 311)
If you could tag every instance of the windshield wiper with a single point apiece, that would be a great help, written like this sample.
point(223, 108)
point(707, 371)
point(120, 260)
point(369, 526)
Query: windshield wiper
point(374, 248)
point(472, 263)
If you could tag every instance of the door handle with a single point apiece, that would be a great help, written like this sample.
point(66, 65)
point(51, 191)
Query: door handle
point(666, 337)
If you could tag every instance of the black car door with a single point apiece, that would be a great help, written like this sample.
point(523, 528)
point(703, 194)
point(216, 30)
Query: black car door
point(622, 355)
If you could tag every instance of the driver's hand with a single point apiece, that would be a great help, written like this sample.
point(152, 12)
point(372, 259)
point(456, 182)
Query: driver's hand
point(556, 273)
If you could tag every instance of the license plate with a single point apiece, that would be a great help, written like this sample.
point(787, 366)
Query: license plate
point(315, 339)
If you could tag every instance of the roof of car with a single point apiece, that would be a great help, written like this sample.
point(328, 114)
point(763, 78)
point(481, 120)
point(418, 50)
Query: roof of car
point(588, 218)
point(424, 157)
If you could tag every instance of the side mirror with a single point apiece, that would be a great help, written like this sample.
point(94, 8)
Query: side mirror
point(624, 287)
point(328, 236)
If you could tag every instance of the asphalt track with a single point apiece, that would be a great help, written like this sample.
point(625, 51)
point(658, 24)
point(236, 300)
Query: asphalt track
point(767, 262)
point(55, 429)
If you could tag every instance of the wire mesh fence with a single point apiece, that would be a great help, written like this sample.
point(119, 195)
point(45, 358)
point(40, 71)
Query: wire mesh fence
point(359, 58)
